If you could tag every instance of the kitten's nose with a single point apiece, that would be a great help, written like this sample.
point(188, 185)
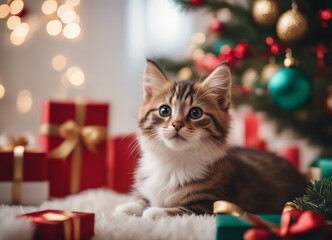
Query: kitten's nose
point(177, 125)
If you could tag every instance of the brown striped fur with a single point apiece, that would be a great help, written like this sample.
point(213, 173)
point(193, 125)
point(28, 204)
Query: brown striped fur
point(187, 164)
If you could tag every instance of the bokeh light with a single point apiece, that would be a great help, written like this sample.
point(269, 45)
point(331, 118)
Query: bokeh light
point(16, 40)
point(198, 38)
point(54, 27)
point(75, 76)
point(21, 30)
point(72, 30)
point(2, 91)
point(185, 73)
point(68, 17)
point(59, 62)
point(49, 7)
point(4, 10)
point(16, 7)
point(13, 21)
point(24, 101)
point(63, 9)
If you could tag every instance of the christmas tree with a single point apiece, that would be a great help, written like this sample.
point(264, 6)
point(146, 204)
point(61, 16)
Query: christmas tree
point(280, 55)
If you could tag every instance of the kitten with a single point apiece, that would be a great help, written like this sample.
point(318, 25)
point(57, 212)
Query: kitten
point(186, 163)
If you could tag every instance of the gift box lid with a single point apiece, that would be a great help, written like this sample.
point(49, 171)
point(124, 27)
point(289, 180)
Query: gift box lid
point(59, 111)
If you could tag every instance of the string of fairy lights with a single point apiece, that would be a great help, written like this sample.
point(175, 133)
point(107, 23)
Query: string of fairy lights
point(62, 19)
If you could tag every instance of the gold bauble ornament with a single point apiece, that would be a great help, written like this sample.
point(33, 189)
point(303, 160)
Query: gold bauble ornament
point(292, 26)
point(265, 12)
point(268, 70)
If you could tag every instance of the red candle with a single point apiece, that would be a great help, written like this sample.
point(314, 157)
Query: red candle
point(251, 123)
point(292, 154)
point(256, 143)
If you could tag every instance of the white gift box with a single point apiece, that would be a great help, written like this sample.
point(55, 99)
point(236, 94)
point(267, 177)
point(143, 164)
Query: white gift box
point(32, 193)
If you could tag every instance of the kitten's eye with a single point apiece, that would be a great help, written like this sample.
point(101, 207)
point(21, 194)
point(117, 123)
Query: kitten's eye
point(165, 111)
point(195, 113)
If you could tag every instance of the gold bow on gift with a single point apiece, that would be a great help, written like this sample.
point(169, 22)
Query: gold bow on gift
point(67, 218)
point(74, 133)
point(13, 142)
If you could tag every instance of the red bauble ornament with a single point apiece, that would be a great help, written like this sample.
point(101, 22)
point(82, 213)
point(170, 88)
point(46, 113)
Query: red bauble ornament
point(216, 26)
point(196, 2)
point(242, 50)
point(326, 14)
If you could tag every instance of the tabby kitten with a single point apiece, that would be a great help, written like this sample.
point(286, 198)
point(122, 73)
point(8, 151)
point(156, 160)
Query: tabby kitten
point(186, 163)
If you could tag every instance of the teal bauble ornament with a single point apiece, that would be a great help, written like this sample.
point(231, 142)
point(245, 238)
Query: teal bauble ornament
point(219, 44)
point(290, 88)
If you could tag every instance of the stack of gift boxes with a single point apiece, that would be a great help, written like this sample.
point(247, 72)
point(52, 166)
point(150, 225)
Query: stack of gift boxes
point(76, 154)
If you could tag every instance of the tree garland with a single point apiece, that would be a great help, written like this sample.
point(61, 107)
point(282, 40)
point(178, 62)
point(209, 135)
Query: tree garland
point(318, 197)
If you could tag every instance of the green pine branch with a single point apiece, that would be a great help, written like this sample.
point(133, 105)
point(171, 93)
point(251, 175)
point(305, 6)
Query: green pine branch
point(318, 197)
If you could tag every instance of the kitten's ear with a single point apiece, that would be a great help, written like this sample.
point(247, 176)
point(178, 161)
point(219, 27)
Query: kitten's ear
point(154, 79)
point(218, 85)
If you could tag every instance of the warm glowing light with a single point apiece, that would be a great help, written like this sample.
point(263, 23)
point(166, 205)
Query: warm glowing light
point(21, 30)
point(185, 73)
point(73, 2)
point(72, 30)
point(24, 101)
point(329, 102)
point(49, 7)
point(2, 91)
point(13, 21)
point(198, 38)
point(16, 7)
point(63, 9)
point(75, 76)
point(54, 27)
point(59, 62)
point(68, 17)
point(4, 10)
point(71, 70)
point(16, 40)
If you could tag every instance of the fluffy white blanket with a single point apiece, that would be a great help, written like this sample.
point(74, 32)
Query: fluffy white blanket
point(107, 226)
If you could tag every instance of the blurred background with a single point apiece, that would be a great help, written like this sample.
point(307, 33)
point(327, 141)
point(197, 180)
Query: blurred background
point(97, 49)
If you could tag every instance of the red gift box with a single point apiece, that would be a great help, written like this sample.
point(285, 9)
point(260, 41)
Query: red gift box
point(123, 156)
point(74, 133)
point(58, 225)
point(23, 176)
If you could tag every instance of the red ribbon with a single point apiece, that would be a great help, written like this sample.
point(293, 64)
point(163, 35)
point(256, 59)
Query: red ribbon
point(294, 223)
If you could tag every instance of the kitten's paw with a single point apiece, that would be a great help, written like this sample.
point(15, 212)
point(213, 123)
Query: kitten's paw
point(130, 208)
point(154, 213)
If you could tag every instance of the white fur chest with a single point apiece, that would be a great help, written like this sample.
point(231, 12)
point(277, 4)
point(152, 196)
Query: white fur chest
point(165, 173)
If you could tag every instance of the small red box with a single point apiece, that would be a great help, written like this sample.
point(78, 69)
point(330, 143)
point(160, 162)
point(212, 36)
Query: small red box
point(89, 164)
point(23, 178)
point(58, 225)
point(123, 156)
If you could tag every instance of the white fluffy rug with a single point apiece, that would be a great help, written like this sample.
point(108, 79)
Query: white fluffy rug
point(102, 202)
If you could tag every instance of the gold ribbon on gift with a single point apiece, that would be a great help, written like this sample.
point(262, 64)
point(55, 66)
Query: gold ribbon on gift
point(17, 174)
point(225, 207)
point(13, 142)
point(71, 221)
point(17, 145)
point(75, 133)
